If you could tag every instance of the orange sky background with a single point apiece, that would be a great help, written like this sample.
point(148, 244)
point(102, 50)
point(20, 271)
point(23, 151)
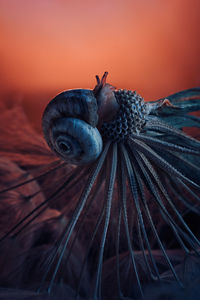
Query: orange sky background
point(152, 46)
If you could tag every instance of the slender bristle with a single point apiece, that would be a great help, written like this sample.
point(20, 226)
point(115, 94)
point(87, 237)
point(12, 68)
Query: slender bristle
point(70, 226)
point(133, 188)
point(109, 193)
point(34, 178)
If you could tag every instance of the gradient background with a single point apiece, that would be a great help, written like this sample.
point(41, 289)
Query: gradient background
point(152, 46)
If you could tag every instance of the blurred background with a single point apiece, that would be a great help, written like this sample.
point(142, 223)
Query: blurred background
point(46, 46)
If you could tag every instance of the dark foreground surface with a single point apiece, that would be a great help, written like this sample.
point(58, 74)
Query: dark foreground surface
point(26, 253)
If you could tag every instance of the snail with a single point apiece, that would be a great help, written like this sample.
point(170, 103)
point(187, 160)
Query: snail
point(138, 152)
point(69, 125)
point(70, 119)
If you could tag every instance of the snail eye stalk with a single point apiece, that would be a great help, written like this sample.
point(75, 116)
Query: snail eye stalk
point(125, 193)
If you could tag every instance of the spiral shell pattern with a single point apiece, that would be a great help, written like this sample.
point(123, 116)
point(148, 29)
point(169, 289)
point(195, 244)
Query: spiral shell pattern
point(69, 122)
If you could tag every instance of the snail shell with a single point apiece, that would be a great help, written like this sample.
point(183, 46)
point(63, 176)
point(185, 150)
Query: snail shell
point(69, 125)
point(69, 121)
